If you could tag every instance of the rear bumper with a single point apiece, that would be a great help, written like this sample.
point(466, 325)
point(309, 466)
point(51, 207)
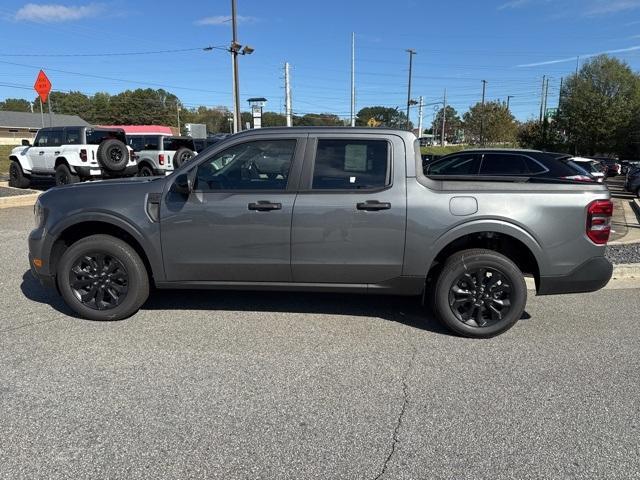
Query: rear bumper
point(98, 172)
point(590, 276)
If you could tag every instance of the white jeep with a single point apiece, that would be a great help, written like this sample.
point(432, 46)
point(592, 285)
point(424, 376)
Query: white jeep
point(72, 154)
point(158, 154)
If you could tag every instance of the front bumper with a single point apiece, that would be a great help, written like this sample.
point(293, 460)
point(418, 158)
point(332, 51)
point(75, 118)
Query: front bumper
point(45, 279)
point(590, 276)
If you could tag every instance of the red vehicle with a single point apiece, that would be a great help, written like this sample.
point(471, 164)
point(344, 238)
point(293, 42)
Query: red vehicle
point(611, 165)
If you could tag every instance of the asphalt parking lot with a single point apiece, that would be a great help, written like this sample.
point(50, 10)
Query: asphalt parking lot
point(282, 385)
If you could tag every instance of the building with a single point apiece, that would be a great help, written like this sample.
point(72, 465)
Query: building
point(17, 126)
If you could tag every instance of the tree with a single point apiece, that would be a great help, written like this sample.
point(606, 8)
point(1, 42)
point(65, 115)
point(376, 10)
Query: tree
point(273, 119)
point(494, 120)
point(452, 124)
point(318, 120)
point(384, 116)
point(598, 104)
point(16, 105)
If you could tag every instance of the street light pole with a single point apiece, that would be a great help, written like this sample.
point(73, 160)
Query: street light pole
point(412, 52)
point(444, 118)
point(484, 88)
point(237, 117)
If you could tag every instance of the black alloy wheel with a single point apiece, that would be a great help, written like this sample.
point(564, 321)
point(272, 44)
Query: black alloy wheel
point(480, 297)
point(99, 281)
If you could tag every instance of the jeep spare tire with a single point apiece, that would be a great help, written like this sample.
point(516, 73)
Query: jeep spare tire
point(113, 155)
point(182, 155)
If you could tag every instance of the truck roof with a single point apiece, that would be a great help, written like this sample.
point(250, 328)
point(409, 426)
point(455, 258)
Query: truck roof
point(357, 130)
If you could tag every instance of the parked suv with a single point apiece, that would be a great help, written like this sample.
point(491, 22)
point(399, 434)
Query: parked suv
point(532, 165)
point(70, 155)
point(160, 154)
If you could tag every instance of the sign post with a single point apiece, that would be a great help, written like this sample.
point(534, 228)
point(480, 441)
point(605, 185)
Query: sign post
point(43, 88)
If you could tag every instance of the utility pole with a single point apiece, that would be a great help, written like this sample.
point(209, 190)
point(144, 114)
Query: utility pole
point(42, 113)
point(353, 79)
point(287, 92)
point(484, 88)
point(577, 64)
point(544, 80)
point(546, 97)
point(411, 52)
point(178, 112)
point(444, 119)
point(509, 97)
point(560, 95)
point(237, 117)
point(420, 105)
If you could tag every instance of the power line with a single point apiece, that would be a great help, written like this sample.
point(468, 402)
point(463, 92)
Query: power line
point(111, 54)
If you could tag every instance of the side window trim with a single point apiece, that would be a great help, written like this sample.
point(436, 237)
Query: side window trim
point(293, 180)
point(306, 183)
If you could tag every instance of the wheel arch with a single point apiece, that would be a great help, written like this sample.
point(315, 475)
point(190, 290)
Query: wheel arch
point(507, 239)
point(94, 224)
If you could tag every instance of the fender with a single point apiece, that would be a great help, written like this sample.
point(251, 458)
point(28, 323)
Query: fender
point(19, 154)
point(488, 225)
point(146, 242)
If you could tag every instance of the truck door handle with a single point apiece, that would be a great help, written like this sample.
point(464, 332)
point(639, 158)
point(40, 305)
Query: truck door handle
point(41, 153)
point(56, 153)
point(265, 206)
point(373, 205)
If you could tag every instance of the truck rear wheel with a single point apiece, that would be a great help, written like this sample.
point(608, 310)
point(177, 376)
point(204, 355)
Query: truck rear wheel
point(102, 278)
point(480, 293)
point(63, 176)
point(17, 177)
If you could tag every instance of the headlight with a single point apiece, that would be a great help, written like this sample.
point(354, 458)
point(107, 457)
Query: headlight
point(38, 214)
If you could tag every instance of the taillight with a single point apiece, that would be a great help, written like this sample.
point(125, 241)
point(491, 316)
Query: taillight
point(579, 178)
point(161, 159)
point(599, 214)
point(83, 155)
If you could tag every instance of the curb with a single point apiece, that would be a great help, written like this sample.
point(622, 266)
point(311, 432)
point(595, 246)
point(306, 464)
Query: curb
point(626, 271)
point(26, 200)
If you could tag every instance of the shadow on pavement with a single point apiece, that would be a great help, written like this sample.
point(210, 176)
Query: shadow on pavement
point(405, 310)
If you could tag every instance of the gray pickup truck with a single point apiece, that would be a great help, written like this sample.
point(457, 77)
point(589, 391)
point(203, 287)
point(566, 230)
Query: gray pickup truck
point(324, 209)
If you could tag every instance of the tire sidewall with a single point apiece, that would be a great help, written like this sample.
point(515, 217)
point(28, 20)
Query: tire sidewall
point(138, 281)
point(104, 155)
point(145, 168)
point(498, 262)
point(177, 157)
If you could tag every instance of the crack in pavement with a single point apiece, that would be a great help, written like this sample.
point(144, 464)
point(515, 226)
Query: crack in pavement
point(405, 402)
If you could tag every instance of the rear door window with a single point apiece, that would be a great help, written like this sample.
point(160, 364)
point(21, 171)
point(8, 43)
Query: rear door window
point(504, 164)
point(463, 164)
point(351, 165)
point(72, 136)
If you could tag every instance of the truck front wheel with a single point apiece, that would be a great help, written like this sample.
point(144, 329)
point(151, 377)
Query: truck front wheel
point(480, 293)
point(102, 278)
point(17, 178)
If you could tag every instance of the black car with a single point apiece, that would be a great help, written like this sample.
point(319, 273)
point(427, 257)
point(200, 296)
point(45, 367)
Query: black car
point(526, 164)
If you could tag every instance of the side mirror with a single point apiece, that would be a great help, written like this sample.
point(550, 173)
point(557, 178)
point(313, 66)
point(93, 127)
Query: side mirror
point(26, 143)
point(183, 184)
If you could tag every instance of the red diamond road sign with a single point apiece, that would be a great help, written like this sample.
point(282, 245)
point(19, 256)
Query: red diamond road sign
point(42, 86)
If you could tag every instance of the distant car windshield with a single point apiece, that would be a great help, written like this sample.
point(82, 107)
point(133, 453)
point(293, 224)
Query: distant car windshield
point(171, 143)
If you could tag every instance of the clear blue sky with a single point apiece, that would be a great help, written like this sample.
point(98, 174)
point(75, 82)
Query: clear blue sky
point(459, 43)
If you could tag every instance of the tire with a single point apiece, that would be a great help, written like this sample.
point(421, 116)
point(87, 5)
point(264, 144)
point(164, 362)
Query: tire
point(17, 178)
point(113, 155)
point(111, 262)
point(462, 303)
point(63, 176)
point(181, 156)
point(146, 171)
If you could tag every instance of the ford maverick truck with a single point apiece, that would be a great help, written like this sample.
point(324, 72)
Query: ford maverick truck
point(326, 209)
